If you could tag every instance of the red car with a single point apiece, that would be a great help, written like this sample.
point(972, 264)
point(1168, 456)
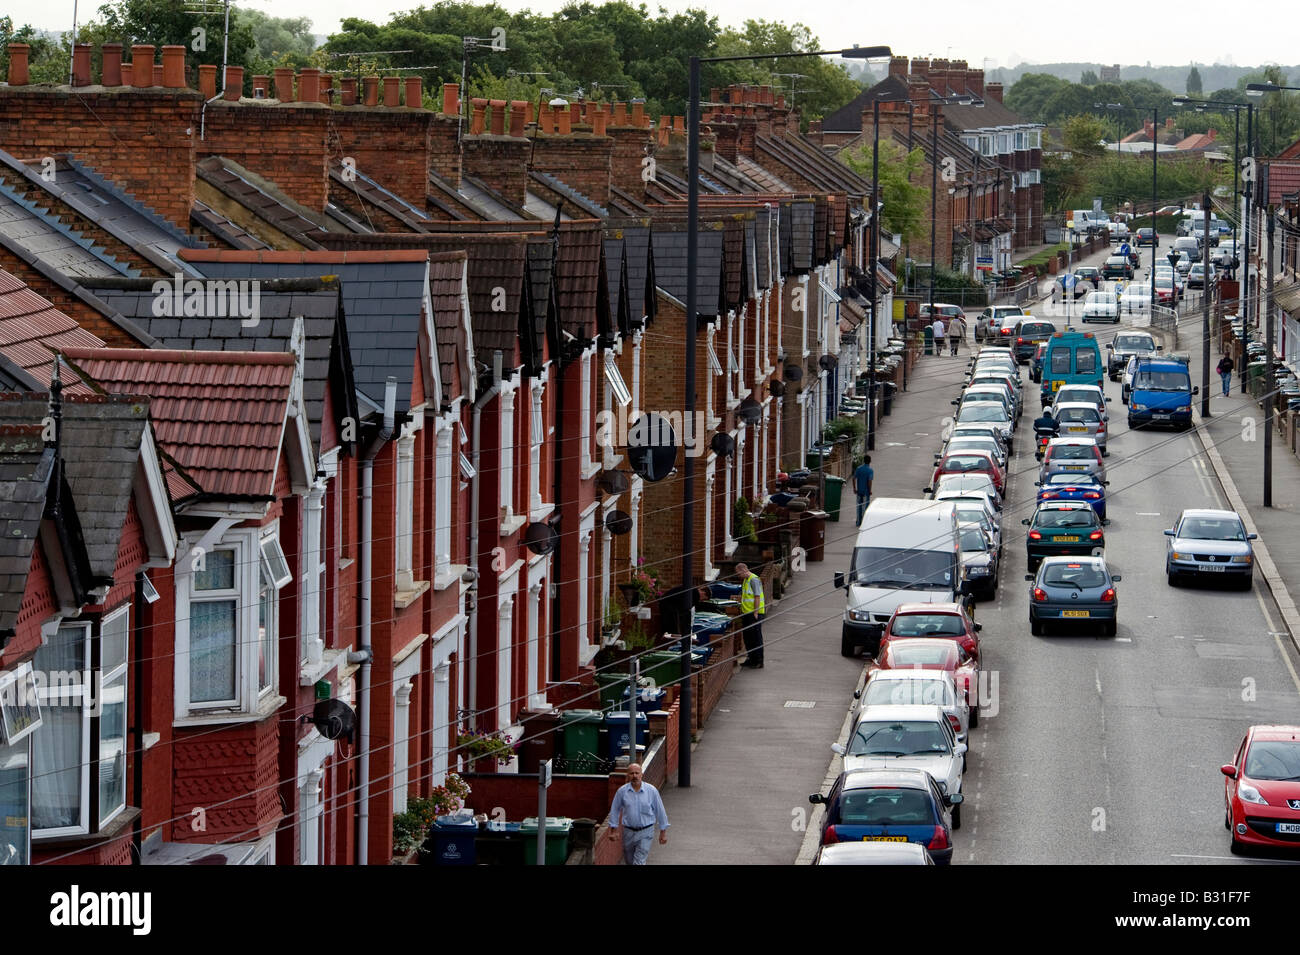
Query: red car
point(1262, 791)
point(947, 620)
point(970, 462)
point(930, 653)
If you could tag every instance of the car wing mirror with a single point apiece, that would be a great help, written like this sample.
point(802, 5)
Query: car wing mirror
point(979, 627)
point(960, 749)
point(839, 581)
point(1251, 537)
point(1116, 578)
point(1025, 521)
point(1169, 532)
point(857, 694)
point(817, 799)
point(954, 800)
point(837, 749)
point(1029, 576)
point(1229, 770)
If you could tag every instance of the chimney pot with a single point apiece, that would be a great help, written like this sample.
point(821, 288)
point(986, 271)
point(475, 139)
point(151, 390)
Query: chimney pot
point(565, 118)
point(517, 117)
point(497, 122)
point(639, 116)
point(284, 84)
point(262, 81)
point(679, 124)
point(528, 112)
point(158, 75)
point(18, 71)
point(127, 70)
point(575, 115)
point(620, 114)
point(309, 86)
point(414, 93)
point(349, 87)
point(326, 87)
point(112, 64)
point(476, 118)
point(598, 121)
point(371, 85)
point(173, 61)
point(392, 91)
point(81, 64)
point(234, 83)
point(142, 65)
point(450, 99)
point(208, 80)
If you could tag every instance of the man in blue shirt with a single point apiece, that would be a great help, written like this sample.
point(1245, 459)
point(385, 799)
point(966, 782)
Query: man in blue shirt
point(862, 485)
point(637, 809)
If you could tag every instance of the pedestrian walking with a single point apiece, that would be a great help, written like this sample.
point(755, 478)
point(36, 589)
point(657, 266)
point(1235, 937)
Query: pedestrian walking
point(753, 608)
point(1226, 364)
point(956, 334)
point(862, 478)
point(937, 330)
point(637, 809)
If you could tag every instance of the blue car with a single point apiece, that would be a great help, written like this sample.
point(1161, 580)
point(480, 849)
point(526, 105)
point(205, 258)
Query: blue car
point(889, 805)
point(1073, 486)
point(1073, 590)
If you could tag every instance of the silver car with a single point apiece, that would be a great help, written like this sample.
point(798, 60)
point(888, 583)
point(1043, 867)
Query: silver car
point(978, 509)
point(1210, 542)
point(969, 483)
point(1072, 456)
point(917, 688)
point(1078, 419)
point(1101, 307)
point(975, 443)
point(988, 412)
point(1086, 394)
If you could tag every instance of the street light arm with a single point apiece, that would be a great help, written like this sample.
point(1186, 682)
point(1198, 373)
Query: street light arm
point(852, 53)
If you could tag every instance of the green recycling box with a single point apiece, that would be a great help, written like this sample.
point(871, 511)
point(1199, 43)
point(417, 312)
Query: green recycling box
point(557, 839)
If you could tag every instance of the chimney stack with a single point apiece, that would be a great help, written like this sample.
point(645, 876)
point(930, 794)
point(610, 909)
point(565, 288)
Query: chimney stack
point(450, 99)
point(284, 85)
point(898, 66)
point(18, 71)
point(234, 83)
point(638, 114)
point(993, 91)
point(975, 83)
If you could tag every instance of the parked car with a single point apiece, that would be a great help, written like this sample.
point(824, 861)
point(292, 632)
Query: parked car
point(975, 443)
point(1167, 292)
point(1074, 455)
point(917, 688)
point(894, 805)
point(1088, 394)
point(1101, 307)
point(1028, 333)
point(979, 561)
point(1210, 542)
point(1262, 790)
point(1062, 486)
point(1136, 298)
point(1124, 345)
point(873, 853)
point(988, 412)
point(970, 462)
point(1077, 419)
point(1063, 528)
point(1197, 276)
point(1036, 363)
point(997, 322)
point(1117, 267)
point(1086, 279)
point(933, 621)
point(907, 737)
point(1119, 229)
point(960, 484)
point(971, 510)
point(1073, 590)
point(1146, 236)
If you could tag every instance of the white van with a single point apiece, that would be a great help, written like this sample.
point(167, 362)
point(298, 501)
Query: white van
point(907, 551)
point(1087, 221)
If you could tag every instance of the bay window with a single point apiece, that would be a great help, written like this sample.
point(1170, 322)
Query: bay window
point(15, 804)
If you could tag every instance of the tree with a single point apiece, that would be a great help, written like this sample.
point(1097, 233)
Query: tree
point(825, 86)
point(907, 206)
point(1029, 95)
point(1083, 135)
point(1089, 78)
point(1194, 85)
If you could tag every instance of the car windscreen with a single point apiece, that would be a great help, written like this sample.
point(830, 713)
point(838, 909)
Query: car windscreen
point(901, 738)
point(1080, 415)
point(886, 807)
point(972, 539)
point(1071, 452)
point(1161, 381)
point(1079, 575)
point(1212, 529)
point(1274, 759)
point(894, 568)
point(927, 624)
point(1101, 298)
point(982, 413)
point(964, 462)
point(914, 692)
point(1062, 477)
point(971, 481)
point(1071, 518)
point(1134, 342)
point(975, 515)
point(1039, 328)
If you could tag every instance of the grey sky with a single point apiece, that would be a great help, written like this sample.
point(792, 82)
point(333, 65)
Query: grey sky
point(1202, 31)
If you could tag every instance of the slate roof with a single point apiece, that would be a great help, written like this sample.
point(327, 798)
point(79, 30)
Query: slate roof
point(81, 189)
point(100, 446)
point(232, 235)
point(540, 300)
point(264, 200)
point(31, 329)
point(616, 280)
point(669, 242)
point(34, 235)
point(220, 416)
point(802, 218)
point(587, 205)
point(763, 247)
point(384, 296)
point(318, 301)
point(449, 292)
point(848, 118)
point(367, 191)
point(26, 466)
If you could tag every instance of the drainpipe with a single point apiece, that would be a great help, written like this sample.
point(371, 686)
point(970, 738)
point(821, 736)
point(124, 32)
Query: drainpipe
point(363, 654)
point(137, 675)
point(479, 405)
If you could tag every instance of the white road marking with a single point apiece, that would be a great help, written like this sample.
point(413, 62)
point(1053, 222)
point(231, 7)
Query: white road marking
point(800, 704)
point(1123, 639)
point(1148, 514)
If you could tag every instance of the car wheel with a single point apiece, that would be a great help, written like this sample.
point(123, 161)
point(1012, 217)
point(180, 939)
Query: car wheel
point(1172, 577)
point(1227, 820)
point(1035, 627)
point(1105, 452)
point(956, 817)
point(848, 648)
point(974, 718)
point(1248, 581)
point(1235, 847)
point(1110, 628)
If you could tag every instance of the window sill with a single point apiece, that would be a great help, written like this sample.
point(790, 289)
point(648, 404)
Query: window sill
point(590, 470)
point(404, 598)
point(453, 573)
point(712, 573)
point(151, 740)
point(587, 654)
point(729, 548)
point(345, 562)
point(120, 825)
point(714, 424)
point(512, 524)
point(541, 512)
point(313, 673)
point(265, 708)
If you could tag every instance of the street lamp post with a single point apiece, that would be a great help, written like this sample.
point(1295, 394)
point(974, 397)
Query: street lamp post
point(692, 319)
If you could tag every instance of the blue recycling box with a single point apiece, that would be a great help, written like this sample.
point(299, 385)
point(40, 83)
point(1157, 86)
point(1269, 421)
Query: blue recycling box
point(453, 839)
point(618, 732)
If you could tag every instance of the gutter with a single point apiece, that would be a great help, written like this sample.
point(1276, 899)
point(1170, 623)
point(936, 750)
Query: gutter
point(479, 404)
point(364, 655)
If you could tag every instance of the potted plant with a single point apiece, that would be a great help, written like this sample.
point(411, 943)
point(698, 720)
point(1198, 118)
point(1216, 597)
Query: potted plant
point(477, 745)
point(743, 522)
point(646, 581)
point(613, 617)
point(636, 639)
point(411, 827)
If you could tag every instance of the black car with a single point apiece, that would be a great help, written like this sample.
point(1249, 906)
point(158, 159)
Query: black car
point(1036, 363)
point(890, 805)
point(1146, 237)
point(1087, 278)
point(1124, 347)
point(1117, 267)
point(1027, 335)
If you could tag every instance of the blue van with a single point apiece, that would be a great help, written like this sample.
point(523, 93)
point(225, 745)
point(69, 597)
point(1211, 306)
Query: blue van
point(1161, 394)
point(1072, 358)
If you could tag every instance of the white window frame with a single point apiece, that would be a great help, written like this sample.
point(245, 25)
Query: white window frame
point(586, 430)
point(1004, 143)
point(506, 471)
point(710, 478)
point(536, 437)
point(401, 743)
point(17, 756)
point(404, 507)
point(45, 692)
point(249, 566)
point(714, 365)
point(615, 383)
point(444, 467)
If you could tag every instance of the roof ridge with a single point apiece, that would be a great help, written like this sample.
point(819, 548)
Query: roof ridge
point(323, 256)
point(182, 356)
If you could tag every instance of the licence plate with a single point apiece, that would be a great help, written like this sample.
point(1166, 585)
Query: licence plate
point(1214, 568)
point(1288, 827)
point(1160, 417)
point(1056, 385)
point(884, 838)
point(1078, 430)
point(1075, 613)
point(1068, 540)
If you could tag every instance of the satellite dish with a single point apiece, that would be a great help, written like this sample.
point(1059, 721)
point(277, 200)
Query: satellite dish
point(334, 718)
point(541, 538)
point(777, 388)
point(612, 482)
point(793, 373)
point(652, 447)
point(618, 523)
point(723, 444)
point(827, 362)
point(750, 411)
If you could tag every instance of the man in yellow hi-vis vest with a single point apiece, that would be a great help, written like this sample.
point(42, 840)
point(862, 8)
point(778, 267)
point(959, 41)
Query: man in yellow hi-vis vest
point(753, 608)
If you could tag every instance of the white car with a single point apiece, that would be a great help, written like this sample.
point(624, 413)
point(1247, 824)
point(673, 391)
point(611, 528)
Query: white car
point(1092, 394)
point(911, 737)
point(917, 688)
point(1101, 307)
point(1136, 298)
